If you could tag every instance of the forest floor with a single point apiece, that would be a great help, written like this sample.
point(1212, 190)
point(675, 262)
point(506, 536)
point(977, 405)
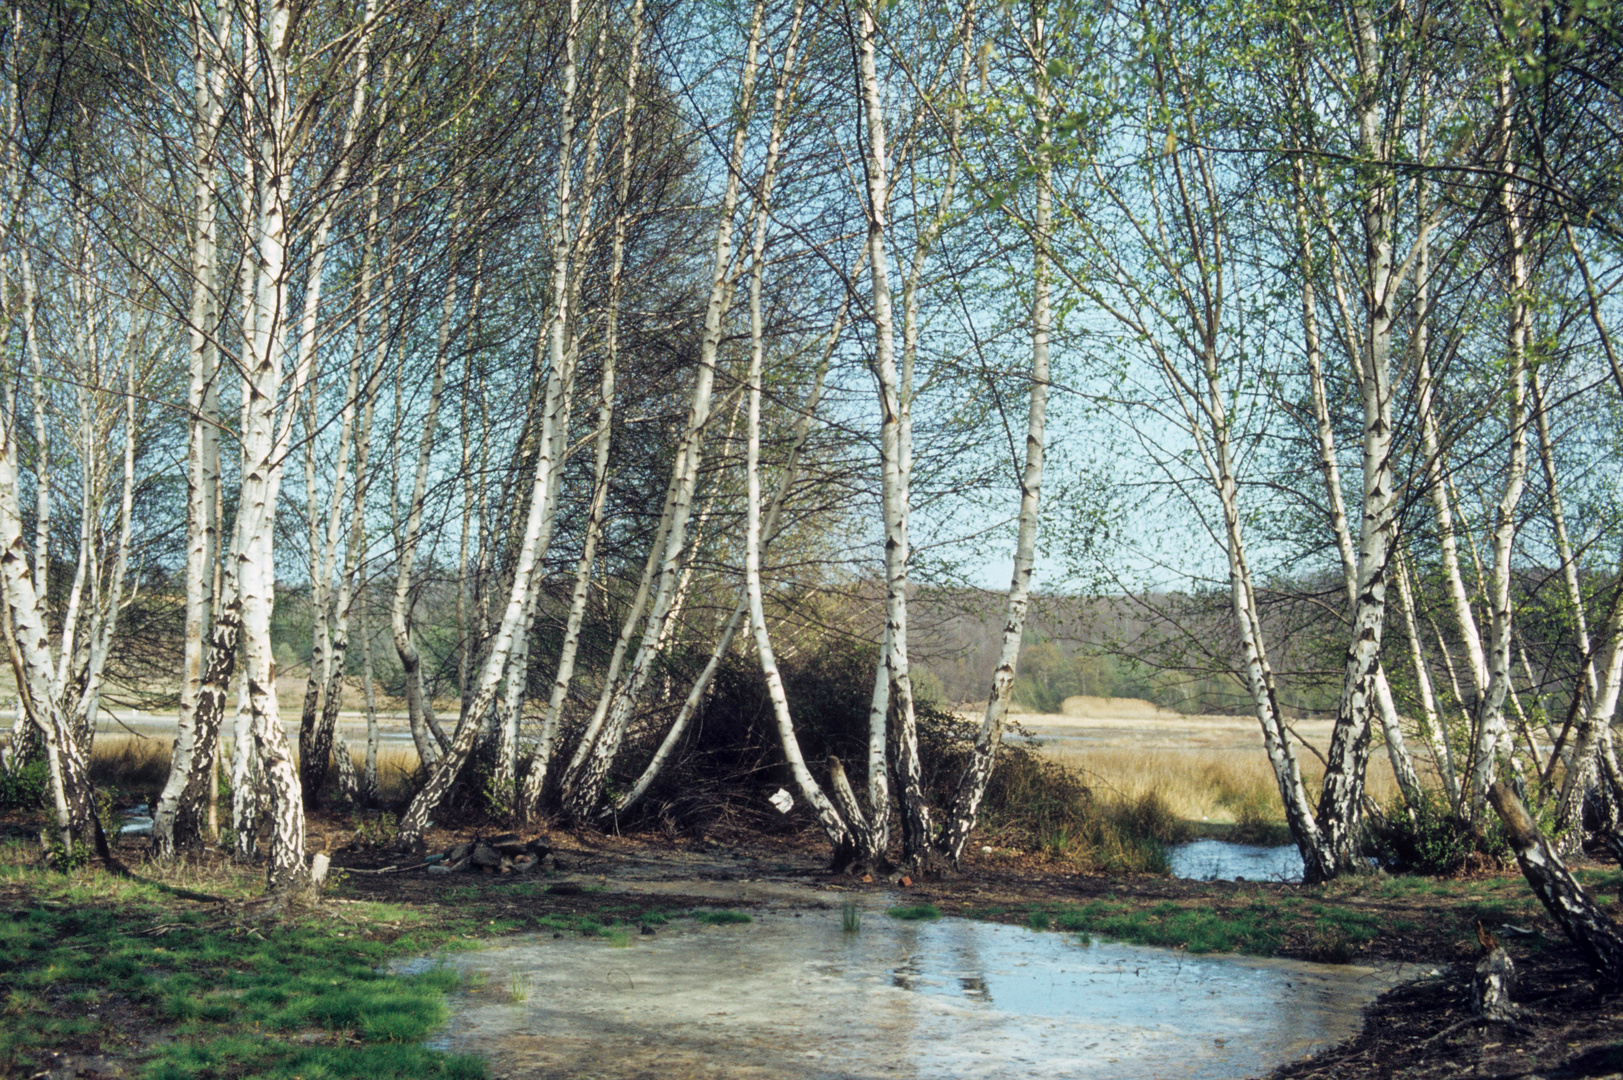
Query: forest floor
point(173, 972)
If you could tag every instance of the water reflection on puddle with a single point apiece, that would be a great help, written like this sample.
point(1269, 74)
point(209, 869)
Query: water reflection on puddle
point(1220, 860)
point(792, 996)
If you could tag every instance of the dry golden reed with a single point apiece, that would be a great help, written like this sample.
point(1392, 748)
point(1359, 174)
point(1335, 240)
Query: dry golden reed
point(1200, 784)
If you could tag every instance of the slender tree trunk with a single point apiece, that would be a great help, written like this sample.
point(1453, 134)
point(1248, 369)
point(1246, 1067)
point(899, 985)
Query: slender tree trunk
point(76, 824)
point(1436, 738)
point(1341, 796)
point(369, 776)
point(1489, 712)
point(849, 833)
point(894, 482)
point(583, 783)
point(544, 486)
point(418, 702)
point(972, 784)
point(180, 822)
point(769, 531)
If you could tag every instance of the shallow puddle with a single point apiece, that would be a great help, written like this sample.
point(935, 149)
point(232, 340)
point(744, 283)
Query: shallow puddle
point(795, 996)
point(1220, 860)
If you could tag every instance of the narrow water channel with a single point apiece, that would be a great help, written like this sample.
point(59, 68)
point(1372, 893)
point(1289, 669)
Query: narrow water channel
point(793, 995)
point(1223, 860)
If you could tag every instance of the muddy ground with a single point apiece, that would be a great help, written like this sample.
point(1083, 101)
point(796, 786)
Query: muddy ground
point(1422, 1029)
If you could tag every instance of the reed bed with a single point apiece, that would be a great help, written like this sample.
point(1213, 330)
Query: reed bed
point(138, 765)
point(1201, 785)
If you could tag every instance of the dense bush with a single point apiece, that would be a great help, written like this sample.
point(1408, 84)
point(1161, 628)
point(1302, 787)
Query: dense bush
point(733, 760)
point(24, 787)
point(1435, 841)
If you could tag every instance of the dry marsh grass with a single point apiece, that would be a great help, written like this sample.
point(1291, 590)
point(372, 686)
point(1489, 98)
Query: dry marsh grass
point(1202, 784)
point(1222, 786)
point(130, 762)
point(140, 764)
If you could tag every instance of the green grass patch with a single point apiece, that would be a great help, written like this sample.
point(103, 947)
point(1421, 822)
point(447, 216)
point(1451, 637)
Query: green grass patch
point(248, 1055)
point(915, 912)
point(722, 917)
point(241, 1000)
point(1253, 929)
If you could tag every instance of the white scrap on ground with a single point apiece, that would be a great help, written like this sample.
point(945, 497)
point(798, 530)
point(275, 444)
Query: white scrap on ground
point(782, 800)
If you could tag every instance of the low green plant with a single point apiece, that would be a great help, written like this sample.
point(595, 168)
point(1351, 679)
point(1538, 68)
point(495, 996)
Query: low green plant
point(1329, 944)
point(218, 1000)
point(1433, 841)
point(24, 788)
point(1257, 928)
point(850, 918)
point(1255, 822)
point(722, 917)
point(914, 912)
point(1038, 920)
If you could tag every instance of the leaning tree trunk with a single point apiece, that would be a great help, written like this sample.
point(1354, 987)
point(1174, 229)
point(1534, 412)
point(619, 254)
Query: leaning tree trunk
point(418, 703)
point(542, 507)
point(972, 784)
point(77, 827)
point(1589, 928)
point(583, 783)
point(847, 831)
point(315, 730)
point(352, 788)
point(769, 531)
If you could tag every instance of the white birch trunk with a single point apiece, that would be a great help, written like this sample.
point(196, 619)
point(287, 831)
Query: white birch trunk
point(1442, 755)
point(848, 832)
point(263, 450)
point(1340, 808)
point(542, 504)
point(769, 531)
point(180, 818)
point(1402, 767)
point(245, 781)
point(583, 784)
point(1489, 711)
point(418, 703)
point(894, 484)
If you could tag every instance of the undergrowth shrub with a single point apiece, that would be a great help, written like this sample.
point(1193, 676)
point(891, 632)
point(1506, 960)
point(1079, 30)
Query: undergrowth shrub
point(1435, 842)
point(24, 788)
point(1255, 822)
point(733, 760)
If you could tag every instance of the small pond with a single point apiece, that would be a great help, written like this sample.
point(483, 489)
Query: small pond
point(1220, 860)
point(792, 995)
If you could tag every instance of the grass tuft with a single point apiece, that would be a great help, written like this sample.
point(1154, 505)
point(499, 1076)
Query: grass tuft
point(217, 998)
point(915, 912)
point(722, 917)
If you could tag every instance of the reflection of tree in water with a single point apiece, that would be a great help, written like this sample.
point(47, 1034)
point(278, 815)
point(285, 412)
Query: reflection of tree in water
point(974, 986)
